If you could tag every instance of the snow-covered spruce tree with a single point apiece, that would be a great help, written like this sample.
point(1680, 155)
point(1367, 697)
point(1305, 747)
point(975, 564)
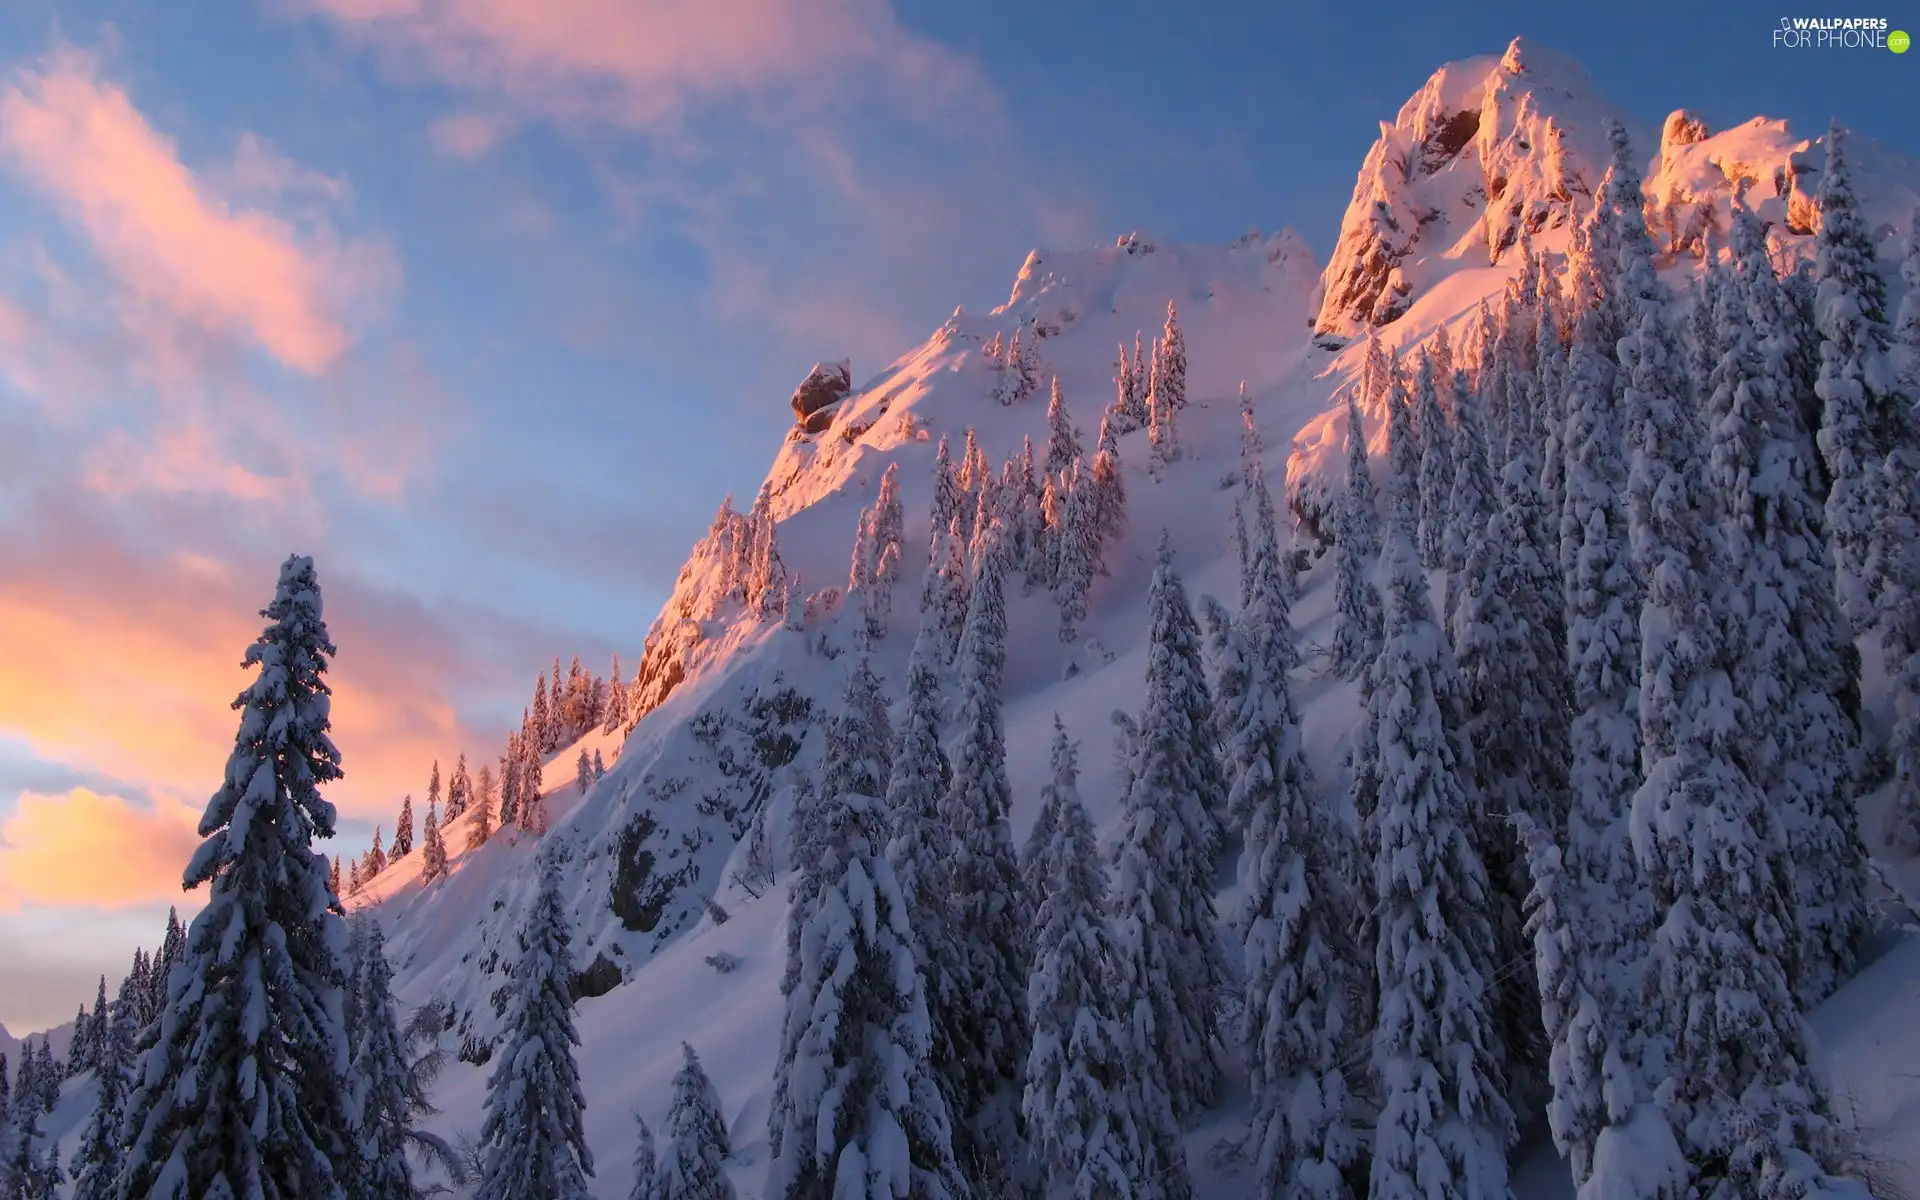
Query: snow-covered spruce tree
point(599, 766)
point(981, 1017)
point(1109, 496)
point(1900, 599)
point(943, 593)
point(1705, 346)
point(533, 800)
point(378, 1085)
point(771, 583)
point(1549, 400)
point(1474, 496)
point(1063, 441)
point(1075, 550)
point(460, 786)
point(532, 1141)
point(583, 771)
point(539, 719)
point(433, 849)
point(1436, 466)
point(1169, 965)
point(1785, 626)
point(98, 1160)
point(1355, 601)
point(403, 827)
point(1163, 436)
point(646, 1166)
point(946, 487)
point(254, 1007)
point(1597, 1110)
point(1302, 970)
point(1120, 410)
point(1403, 461)
point(1708, 843)
point(856, 1109)
point(481, 827)
point(376, 857)
point(917, 845)
point(1078, 1086)
point(693, 1165)
point(1857, 382)
point(1434, 1046)
point(25, 1172)
point(1230, 666)
point(1036, 868)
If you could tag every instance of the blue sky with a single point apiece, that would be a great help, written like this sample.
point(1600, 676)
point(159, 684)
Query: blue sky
point(488, 312)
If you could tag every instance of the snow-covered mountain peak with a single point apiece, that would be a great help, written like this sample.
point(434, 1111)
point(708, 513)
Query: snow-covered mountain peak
point(1487, 149)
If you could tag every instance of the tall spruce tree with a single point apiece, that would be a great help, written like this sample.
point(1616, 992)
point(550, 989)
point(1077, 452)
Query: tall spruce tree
point(1785, 624)
point(1444, 1127)
point(1356, 535)
point(646, 1167)
point(254, 1007)
point(917, 848)
point(460, 786)
point(1436, 466)
point(433, 849)
point(480, 828)
point(532, 1143)
point(379, 1096)
point(693, 1165)
point(1078, 1085)
point(981, 1016)
point(856, 1109)
point(403, 829)
point(1707, 841)
point(1471, 503)
point(1169, 964)
point(1302, 985)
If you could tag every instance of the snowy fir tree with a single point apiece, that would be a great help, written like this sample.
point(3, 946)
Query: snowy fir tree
point(1595, 1096)
point(943, 593)
point(433, 847)
point(1785, 624)
point(1708, 843)
point(1169, 965)
point(693, 1164)
point(616, 714)
point(403, 830)
point(1166, 395)
point(1356, 620)
point(1078, 1086)
point(646, 1167)
point(26, 1172)
point(532, 1144)
point(98, 1160)
point(1436, 466)
point(583, 772)
point(539, 721)
point(460, 785)
point(599, 766)
point(376, 860)
point(480, 828)
point(533, 801)
point(1857, 385)
point(1301, 969)
point(1074, 555)
point(1063, 441)
point(917, 844)
point(1471, 503)
point(857, 1110)
point(1603, 641)
point(979, 1011)
point(946, 488)
point(254, 1008)
point(1434, 1046)
point(378, 1089)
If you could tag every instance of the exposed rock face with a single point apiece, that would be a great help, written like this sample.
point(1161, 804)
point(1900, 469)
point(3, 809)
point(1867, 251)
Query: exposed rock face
point(1489, 148)
point(824, 387)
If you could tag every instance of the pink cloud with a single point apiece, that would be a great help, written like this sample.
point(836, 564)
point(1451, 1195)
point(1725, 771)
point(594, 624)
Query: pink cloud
point(177, 246)
point(85, 847)
point(641, 62)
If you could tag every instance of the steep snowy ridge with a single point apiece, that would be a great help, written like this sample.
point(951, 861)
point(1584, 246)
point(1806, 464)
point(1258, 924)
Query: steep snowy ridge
point(1490, 148)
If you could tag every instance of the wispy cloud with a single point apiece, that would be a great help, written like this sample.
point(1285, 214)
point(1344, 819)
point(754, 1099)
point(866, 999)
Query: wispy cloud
point(178, 247)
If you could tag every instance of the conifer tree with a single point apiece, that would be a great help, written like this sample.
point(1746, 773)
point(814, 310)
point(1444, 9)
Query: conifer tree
point(1471, 503)
point(1074, 568)
point(353, 878)
point(919, 846)
point(1785, 624)
point(693, 1164)
point(433, 848)
point(433, 792)
point(98, 1160)
point(1856, 384)
point(266, 1118)
point(1706, 840)
point(599, 766)
point(533, 800)
point(1109, 496)
point(1436, 466)
point(616, 714)
point(646, 1168)
point(1434, 1052)
point(531, 1140)
point(380, 1101)
point(1302, 978)
point(1063, 442)
point(376, 857)
point(583, 772)
point(510, 783)
point(1079, 1087)
point(856, 1107)
point(946, 488)
point(333, 877)
point(1169, 964)
point(541, 724)
point(1355, 602)
point(403, 829)
point(1163, 436)
point(943, 594)
point(556, 733)
point(1121, 411)
point(460, 786)
point(981, 1016)
point(480, 828)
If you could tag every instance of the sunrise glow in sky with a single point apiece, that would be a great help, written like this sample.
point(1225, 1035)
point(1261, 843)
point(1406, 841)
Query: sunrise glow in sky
point(487, 303)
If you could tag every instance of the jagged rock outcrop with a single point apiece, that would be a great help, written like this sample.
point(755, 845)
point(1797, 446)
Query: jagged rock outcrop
point(817, 398)
point(1489, 148)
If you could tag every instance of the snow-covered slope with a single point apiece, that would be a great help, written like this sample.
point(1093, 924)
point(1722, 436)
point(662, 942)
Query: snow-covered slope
point(675, 939)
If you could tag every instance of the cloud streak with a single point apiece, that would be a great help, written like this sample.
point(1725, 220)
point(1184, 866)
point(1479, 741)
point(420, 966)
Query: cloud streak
point(94, 848)
point(176, 245)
